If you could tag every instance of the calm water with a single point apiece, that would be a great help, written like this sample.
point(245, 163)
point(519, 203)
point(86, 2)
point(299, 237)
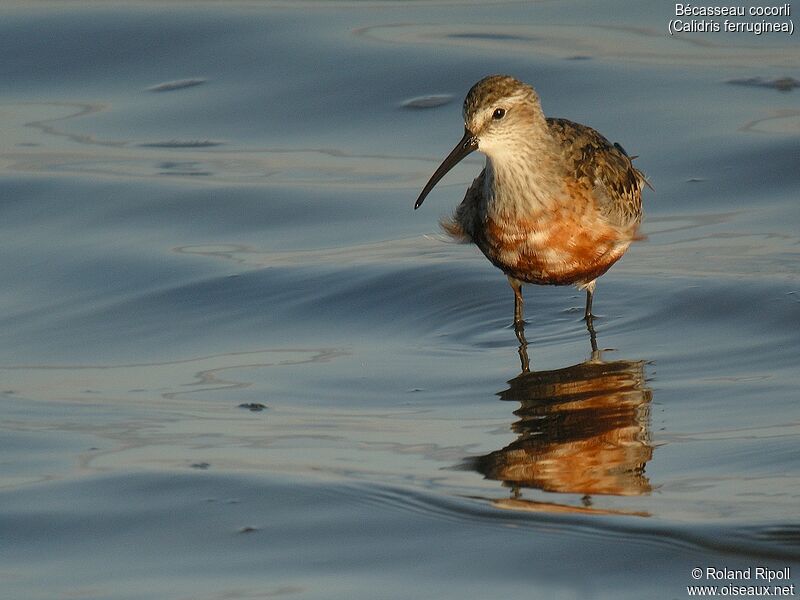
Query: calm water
point(206, 209)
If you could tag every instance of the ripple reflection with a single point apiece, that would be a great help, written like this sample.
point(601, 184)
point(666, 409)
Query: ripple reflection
point(582, 429)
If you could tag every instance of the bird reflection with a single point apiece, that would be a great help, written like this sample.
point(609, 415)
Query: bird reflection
point(581, 429)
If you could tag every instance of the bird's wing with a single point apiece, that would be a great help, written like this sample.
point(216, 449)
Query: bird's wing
point(605, 167)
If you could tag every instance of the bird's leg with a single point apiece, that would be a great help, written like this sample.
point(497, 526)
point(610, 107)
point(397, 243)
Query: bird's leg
point(587, 314)
point(519, 303)
point(519, 325)
point(589, 317)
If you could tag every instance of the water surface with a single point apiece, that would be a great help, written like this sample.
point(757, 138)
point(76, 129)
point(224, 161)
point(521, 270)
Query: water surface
point(208, 207)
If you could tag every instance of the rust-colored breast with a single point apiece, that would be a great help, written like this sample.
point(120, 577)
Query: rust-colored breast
point(574, 243)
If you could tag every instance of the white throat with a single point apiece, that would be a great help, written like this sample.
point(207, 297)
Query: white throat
point(520, 179)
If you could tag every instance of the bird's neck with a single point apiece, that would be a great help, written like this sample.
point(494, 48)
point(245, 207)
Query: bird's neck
point(522, 178)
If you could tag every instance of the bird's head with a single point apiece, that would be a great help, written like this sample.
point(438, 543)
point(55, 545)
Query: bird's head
point(499, 114)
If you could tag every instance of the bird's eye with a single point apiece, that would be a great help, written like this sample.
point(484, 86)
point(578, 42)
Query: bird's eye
point(499, 113)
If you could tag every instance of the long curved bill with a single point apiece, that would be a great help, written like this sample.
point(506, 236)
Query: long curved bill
point(467, 145)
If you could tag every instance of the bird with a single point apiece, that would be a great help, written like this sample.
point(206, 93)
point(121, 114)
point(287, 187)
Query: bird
point(556, 203)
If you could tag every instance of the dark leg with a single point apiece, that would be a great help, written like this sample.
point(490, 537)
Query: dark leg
point(519, 324)
point(518, 301)
point(589, 317)
point(587, 314)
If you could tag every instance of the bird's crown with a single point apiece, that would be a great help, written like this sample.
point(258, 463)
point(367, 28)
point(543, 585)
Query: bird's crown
point(495, 89)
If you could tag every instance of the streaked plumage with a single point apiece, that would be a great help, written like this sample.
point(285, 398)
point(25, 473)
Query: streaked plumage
point(556, 204)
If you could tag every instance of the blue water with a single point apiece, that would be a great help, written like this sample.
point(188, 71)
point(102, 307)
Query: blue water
point(206, 206)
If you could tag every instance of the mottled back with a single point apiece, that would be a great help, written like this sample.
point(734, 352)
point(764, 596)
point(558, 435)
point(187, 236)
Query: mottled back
point(592, 160)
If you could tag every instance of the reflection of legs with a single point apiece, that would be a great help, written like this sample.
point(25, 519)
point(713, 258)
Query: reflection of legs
point(525, 363)
point(592, 334)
